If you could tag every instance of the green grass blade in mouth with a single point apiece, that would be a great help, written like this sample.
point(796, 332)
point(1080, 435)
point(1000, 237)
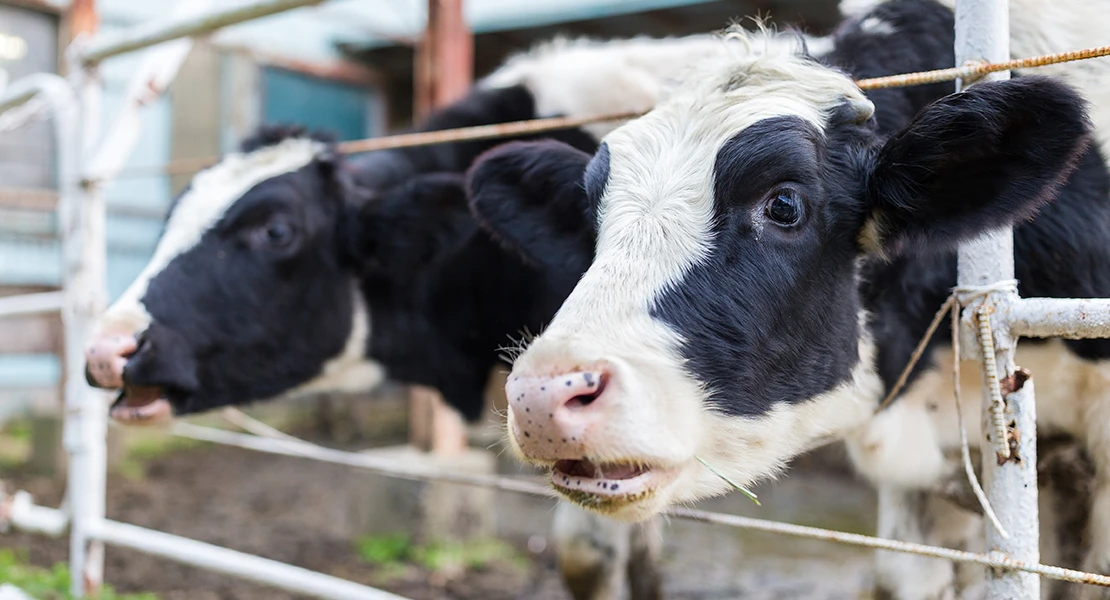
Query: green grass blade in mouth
point(738, 488)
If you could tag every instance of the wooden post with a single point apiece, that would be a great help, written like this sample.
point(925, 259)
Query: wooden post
point(444, 70)
point(81, 18)
point(444, 66)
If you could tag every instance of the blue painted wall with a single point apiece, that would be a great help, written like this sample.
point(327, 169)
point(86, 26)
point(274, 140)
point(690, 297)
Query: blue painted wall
point(342, 109)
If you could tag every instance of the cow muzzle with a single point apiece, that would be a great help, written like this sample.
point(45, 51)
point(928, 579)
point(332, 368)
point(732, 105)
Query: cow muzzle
point(106, 358)
point(567, 420)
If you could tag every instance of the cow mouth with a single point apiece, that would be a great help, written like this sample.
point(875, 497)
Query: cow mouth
point(608, 486)
point(141, 405)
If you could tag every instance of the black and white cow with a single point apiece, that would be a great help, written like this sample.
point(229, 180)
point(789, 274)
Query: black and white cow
point(286, 269)
point(770, 243)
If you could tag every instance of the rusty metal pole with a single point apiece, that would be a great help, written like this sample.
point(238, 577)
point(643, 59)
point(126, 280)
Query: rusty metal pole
point(444, 67)
point(444, 71)
point(1009, 443)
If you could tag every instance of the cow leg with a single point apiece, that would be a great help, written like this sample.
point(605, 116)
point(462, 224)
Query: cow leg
point(1098, 447)
point(918, 516)
point(1098, 557)
point(645, 580)
point(1065, 477)
point(592, 552)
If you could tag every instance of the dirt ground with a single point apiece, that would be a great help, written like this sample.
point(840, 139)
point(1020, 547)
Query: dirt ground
point(296, 511)
point(286, 509)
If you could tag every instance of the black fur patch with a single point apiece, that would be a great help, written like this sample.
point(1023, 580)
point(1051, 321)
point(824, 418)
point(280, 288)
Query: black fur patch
point(530, 197)
point(237, 319)
point(768, 316)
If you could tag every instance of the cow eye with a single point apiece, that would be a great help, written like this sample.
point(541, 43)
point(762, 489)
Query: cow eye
point(276, 233)
point(785, 207)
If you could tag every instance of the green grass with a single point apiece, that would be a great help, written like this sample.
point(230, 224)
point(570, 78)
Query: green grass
point(18, 429)
point(476, 555)
point(50, 584)
point(385, 549)
point(393, 553)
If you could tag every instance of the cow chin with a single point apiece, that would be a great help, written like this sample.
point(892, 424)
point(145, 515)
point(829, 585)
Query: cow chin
point(620, 473)
point(645, 488)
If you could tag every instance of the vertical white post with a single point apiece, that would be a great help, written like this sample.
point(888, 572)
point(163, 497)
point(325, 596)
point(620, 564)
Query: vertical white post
point(81, 222)
point(983, 33)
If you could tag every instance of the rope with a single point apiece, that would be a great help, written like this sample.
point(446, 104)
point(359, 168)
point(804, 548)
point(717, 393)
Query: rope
point(409, 140)
point(962, 295)
point(965, 449)
point(995, 559)
point(499, 130)
point(978, 69)
point(303, 449)
point(1001, 438)
point(917, 352)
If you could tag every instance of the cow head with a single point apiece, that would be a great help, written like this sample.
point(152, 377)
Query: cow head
point(252, 291)
point(720, 318)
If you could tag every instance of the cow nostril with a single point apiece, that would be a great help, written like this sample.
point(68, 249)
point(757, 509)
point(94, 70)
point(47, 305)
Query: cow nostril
point(597, 382)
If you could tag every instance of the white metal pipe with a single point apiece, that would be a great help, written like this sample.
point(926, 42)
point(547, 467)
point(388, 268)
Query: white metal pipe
point(16, 95)
point(25, 515)
point(86, 465)
point(231, 562)
point(81, 219)
point(1073, 318)
point(30, 304)
point(149, 34)
point(983, 33)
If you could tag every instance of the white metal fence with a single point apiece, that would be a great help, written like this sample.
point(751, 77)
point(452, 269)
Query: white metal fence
point(989, 324)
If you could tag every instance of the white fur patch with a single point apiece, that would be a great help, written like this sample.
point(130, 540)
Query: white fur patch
point(750, 449)
point(877, 26)
point(211, 193)
point(579, 77)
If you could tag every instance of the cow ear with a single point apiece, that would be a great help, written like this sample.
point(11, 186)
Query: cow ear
point(411, 225)
point(973, 161)
point(530, 197)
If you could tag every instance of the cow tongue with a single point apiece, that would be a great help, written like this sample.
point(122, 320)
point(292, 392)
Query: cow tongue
point(140, 403)
point(140, 395)
point(585, 468)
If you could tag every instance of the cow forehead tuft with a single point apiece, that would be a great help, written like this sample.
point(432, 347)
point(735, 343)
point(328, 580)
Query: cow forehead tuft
point(215, 189)
point(260, 164)
point(667, 156)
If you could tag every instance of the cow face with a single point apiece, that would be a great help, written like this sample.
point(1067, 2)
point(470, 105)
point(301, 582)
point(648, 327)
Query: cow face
point(720, 318)
point(253, 289)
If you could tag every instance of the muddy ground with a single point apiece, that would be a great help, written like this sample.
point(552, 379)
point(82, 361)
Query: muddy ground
point(297, 511)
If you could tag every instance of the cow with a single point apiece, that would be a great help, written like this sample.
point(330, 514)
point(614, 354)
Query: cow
point(286, 268)
point(768, 245)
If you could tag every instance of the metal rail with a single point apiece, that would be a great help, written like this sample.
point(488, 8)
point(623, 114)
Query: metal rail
point(983, 35)
point(150, 34)
point(30, 304)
